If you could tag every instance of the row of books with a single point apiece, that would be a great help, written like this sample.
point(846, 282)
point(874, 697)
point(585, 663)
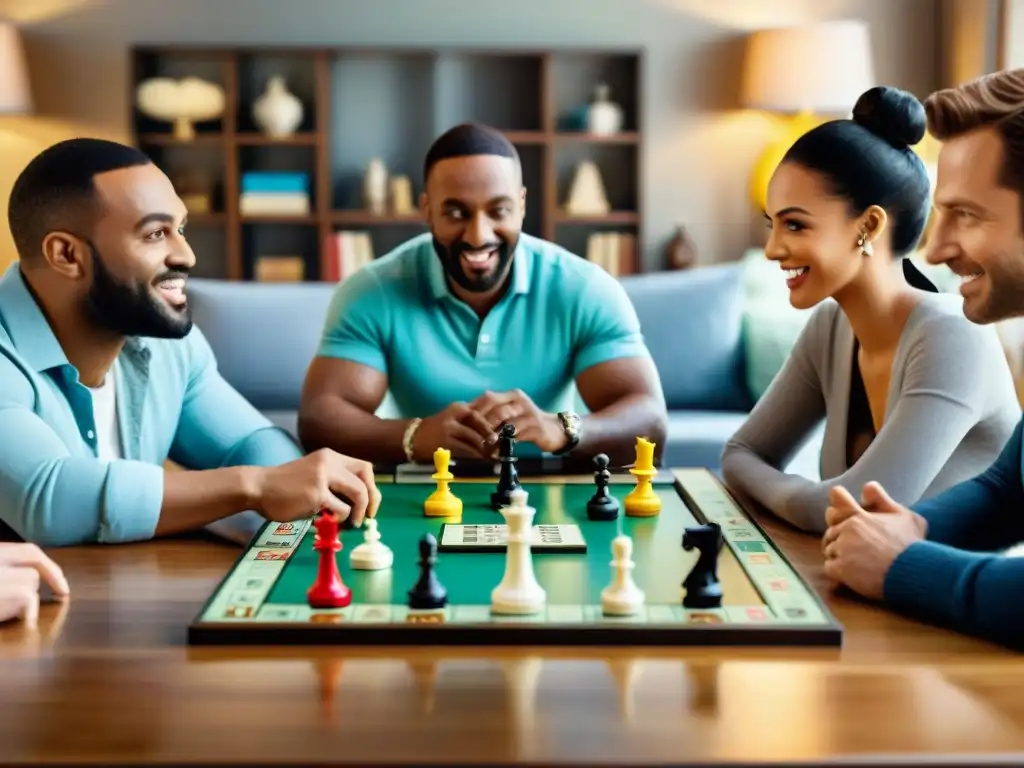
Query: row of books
point(349, 251)
point(615, 251)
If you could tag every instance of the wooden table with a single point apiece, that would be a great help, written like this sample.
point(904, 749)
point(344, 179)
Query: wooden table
point(109, 679)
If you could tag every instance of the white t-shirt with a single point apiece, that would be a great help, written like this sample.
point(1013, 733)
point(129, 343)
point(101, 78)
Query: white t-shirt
point(104, 405)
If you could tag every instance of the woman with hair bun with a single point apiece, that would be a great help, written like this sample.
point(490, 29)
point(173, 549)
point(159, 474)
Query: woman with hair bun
point(914, 395)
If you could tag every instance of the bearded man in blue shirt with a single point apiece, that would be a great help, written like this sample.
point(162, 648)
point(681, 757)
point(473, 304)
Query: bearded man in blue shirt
point(103, 377)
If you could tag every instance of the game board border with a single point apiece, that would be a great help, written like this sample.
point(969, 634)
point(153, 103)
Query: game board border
point(828, 633)
point(830, 618)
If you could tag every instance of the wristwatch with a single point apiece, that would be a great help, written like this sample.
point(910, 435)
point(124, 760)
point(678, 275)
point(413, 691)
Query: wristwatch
point(571, 425)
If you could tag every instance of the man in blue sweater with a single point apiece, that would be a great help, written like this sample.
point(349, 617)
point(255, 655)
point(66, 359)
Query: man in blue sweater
point(945, 561)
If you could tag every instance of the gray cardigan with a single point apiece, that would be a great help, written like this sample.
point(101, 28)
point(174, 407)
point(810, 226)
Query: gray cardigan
point(950, 409)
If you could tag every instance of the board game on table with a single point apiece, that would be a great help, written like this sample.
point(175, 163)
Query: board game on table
point(763, 599)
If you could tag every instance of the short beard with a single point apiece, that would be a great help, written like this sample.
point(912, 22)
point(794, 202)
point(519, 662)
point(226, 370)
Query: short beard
point(130, 309)
point(451, 259)
point(1005, 291)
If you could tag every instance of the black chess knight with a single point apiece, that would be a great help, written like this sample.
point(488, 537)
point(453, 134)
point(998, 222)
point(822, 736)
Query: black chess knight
point(508, 480)
point(602, 505)
point(702, 587)
point(428, 593)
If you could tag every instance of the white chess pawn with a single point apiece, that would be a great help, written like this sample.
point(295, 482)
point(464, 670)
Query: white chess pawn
point(371, 555)
point(518, 592)
point(622, 597)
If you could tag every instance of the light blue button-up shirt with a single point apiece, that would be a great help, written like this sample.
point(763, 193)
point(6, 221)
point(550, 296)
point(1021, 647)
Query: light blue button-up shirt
point(171, 404)
point(561, 315)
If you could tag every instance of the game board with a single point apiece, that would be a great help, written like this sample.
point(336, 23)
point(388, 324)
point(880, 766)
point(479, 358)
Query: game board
point(262, 600)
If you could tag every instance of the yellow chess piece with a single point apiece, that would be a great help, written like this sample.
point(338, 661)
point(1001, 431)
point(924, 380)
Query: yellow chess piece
point(442, 502)
point(642, 501)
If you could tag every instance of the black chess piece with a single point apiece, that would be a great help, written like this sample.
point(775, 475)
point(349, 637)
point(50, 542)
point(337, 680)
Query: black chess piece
point(703, 589)
point(602, 505)
point(508, 480)
point(428, 593)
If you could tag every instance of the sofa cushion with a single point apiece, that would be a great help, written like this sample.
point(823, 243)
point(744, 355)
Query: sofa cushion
point(264, 335)
point(696, 438)
point(692, 321)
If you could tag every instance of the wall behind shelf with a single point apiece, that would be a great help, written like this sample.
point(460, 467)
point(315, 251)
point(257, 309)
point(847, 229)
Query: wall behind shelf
point(696, 156)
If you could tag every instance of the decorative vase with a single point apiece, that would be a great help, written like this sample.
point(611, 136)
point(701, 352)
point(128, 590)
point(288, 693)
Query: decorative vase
point(681, 252)
point(277, 112)
point(375, 187)
point(604, 117)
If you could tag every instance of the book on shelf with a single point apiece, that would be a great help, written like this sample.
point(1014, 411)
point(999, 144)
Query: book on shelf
point(348, 252)
point(274, 193)
point(280, 269)
point(615, 251)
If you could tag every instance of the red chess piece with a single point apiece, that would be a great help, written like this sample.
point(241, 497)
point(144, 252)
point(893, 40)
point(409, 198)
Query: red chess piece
point(328, 591)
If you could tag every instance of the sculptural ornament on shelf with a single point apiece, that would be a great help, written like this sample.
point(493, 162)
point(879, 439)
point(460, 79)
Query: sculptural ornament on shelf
point(183, 103)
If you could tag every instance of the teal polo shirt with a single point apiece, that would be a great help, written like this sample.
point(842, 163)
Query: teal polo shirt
point(561, 315)
point(171, 404)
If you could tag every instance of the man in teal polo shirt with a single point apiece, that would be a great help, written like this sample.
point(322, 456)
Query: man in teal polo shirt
point(475, 324)
point(103, 377)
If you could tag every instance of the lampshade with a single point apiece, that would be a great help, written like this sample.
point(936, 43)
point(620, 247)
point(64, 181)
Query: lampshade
point(821, 68)
point(15, 96)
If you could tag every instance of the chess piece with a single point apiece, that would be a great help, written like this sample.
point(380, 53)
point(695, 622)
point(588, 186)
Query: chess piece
point(518, 592)
point(328, 591)
point(428, 593)
point(372, 554)
point(702, 587)
point(642, 501)
point(622, 597)
point(442, 502)
point(602, 505)
point(508, 480)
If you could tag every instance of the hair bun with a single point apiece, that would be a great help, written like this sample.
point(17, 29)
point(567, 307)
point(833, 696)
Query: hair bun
point(895, 115)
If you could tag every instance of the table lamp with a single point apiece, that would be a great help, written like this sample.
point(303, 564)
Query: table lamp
point(809, 73)
point(15, 94)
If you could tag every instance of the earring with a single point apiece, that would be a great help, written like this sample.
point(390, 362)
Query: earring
point(864, 244)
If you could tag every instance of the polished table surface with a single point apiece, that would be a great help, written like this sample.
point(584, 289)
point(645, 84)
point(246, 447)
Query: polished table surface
point(108, 679)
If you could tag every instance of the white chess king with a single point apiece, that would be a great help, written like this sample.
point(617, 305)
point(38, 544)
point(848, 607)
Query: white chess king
point(622, 597)
point(518, 592)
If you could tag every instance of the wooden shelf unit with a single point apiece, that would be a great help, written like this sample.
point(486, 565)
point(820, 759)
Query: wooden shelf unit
point(361, 103)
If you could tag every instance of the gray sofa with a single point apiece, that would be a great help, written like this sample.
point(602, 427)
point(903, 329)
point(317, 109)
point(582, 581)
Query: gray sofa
point(264, 336)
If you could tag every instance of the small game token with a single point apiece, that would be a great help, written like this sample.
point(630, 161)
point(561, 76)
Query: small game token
point(622, 597)
point(428, 593)
point(372, 554)
point(602, 505)
point(519, 592)
point(328, 591)
point(508, 480)
point(642, 501)
point(702, 587)
point(442, 502)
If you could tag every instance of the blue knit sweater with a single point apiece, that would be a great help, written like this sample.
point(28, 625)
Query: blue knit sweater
point(958, 578)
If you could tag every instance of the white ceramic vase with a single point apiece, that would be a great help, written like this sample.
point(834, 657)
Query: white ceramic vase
point(277, 112)
point(604, 117)
point(375, 187)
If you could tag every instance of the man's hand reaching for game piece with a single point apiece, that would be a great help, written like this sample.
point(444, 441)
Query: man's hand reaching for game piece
point(863, 540)
point(458, 429)
point(532, 424)
point(323, 479)
point(23, 567)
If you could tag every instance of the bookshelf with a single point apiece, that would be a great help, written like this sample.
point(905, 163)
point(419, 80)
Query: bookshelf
point(362, 103)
